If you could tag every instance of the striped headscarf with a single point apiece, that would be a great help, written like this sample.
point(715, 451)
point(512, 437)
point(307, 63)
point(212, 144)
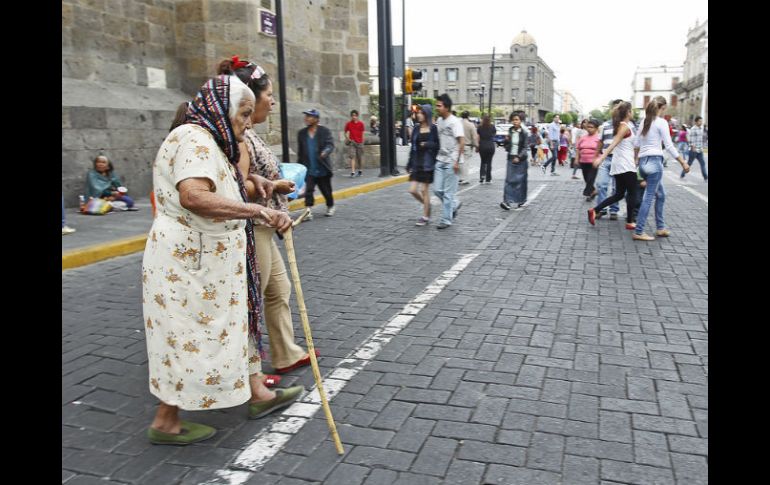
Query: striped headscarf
point(209, 110)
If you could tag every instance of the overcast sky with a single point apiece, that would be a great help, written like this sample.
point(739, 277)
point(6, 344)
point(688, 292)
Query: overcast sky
point(593, 47)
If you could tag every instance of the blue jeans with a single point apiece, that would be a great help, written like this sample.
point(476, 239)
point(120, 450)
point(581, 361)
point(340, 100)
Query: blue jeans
point(445, 188)
point(515, 189)
point(652, 169)
point(684, 148)
point(554, 149)
point(699, 156)
point(605, 184)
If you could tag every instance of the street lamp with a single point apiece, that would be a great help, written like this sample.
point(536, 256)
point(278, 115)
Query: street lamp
point(481, 99)
point(513, 105)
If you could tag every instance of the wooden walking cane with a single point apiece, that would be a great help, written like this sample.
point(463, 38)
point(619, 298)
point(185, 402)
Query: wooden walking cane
point(289, 243)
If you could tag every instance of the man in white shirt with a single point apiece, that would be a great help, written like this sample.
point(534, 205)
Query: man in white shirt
point(451, 145)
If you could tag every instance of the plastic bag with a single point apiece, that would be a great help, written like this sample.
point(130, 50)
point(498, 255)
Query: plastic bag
point(296, 172)
point(97, 207)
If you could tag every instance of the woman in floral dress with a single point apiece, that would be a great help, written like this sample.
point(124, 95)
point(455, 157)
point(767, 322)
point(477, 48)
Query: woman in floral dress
point(200, 278)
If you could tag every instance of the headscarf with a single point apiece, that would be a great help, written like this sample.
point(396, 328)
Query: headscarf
point(209, 110)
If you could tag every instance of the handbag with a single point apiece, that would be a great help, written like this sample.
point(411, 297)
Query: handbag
point(97, 207)
point(296, 172)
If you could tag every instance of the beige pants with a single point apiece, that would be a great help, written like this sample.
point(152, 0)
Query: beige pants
point(467, 156)
point(276, 291)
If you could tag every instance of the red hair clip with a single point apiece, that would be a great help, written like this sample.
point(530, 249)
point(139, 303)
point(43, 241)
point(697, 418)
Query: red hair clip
point(237, 63)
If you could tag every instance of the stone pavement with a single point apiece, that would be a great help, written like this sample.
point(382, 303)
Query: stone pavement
point(562, 354)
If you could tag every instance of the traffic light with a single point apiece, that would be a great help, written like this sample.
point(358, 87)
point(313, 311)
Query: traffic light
point(412, 81)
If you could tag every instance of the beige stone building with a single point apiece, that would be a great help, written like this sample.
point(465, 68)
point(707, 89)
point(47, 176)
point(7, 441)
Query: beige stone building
point(691, 89)
point(128, 64)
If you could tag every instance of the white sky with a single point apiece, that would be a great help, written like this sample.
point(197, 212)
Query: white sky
point(593, 47)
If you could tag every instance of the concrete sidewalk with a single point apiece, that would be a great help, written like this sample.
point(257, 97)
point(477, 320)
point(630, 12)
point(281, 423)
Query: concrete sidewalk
point(120, 233)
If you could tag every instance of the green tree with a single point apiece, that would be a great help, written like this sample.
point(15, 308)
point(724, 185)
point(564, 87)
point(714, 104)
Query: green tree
point(549, 117)
point(599, 115)
point(566, 118)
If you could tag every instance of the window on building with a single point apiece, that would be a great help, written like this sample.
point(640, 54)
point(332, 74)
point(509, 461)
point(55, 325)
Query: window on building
point(497, 95)
point(515, 94)
point(515, 73)
point(435, 93)
point(646, 101)
point(451, 74)
point(268, 4)
point(435, 75)
point(530, 73)
point(648, 84)
point(674, 82)
point(530, 95)
point(498, 75)
point(454, 94)
point(674, 100)
point(473, 73)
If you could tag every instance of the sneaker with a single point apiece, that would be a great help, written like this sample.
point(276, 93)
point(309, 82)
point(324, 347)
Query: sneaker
point(504, 205)
point(489, 182)
point(442, 226)
point(554, 174)
point(360, 173)
point(521, 206)
point(663, 233)
point(67, 230)
point(592, 216)
point(481, 182)
point(464, 182)
point(454, 212)
point(352, 174)
point(630, 226)
point(309, 216)
point(330, 211)
point(613, 216)
point(543, 169)
point(601, 214)
point(642, 237)
point(422, 221)
point(574, 177)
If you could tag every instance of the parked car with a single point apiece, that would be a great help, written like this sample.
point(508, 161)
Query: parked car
point(502, 132)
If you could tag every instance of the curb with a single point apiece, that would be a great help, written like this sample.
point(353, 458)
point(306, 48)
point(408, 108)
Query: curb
point(121, 247)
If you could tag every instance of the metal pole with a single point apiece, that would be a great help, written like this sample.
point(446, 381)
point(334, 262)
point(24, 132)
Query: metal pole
point(282, 84)
point(391, 91)
point(385, 95)
point(491, 82)
point(705, 83)
point(403, 76)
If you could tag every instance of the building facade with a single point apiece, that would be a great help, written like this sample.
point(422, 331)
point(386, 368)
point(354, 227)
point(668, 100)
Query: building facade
point(522, 80)
point(694, 82)
point(655, 81)
point(570, 103)
point(127, 65)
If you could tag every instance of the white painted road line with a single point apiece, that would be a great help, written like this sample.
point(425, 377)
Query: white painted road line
point(679, 182)
point(270, 441)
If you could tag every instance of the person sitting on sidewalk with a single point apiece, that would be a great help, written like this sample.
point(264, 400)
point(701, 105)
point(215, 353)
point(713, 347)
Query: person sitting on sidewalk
point(102, 182)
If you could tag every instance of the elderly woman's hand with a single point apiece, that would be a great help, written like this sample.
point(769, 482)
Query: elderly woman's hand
point(284, 186)
point(277, 219)
point(264, 186)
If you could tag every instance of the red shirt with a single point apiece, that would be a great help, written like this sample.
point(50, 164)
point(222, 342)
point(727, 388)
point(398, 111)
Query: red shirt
point(356, 130)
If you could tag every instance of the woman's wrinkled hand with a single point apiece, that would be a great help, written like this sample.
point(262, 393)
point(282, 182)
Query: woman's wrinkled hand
point(277, 219)
point(284, 186)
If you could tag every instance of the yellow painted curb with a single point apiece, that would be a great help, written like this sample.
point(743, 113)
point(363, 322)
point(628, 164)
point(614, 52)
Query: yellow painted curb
point(129, 245)
point(352, 191)
point(99, 252)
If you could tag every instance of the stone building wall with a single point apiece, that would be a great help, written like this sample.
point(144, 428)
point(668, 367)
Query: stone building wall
point(127, 64)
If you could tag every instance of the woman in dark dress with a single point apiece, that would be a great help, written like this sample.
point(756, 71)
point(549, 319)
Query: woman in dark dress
point(486, 149)
point(422, 159)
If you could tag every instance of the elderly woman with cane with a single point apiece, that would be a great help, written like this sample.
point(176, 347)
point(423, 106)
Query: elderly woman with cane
point(257, 158)
point(201, 299)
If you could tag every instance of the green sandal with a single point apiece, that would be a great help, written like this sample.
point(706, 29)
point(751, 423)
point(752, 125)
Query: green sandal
point(191, 433)
point(283, 398)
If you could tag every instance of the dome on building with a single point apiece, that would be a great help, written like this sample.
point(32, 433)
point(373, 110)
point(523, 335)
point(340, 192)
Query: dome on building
point(523, 39)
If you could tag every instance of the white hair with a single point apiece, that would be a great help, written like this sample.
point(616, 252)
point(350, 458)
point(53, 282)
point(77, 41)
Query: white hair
point(238, 92)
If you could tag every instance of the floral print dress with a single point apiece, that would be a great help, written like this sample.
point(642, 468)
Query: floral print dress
point(194, 284)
